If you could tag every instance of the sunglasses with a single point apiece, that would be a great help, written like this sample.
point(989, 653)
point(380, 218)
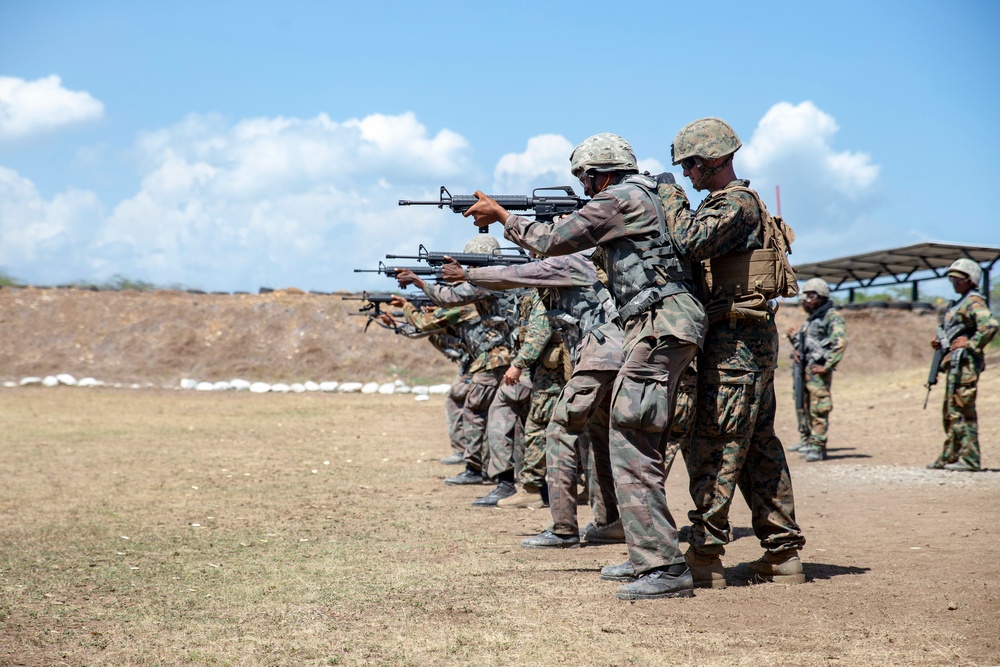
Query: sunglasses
point(689, 162)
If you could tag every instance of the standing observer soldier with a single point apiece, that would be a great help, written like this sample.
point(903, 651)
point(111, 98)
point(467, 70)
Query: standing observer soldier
point(664, 326)
point(734, 443)
point(818, 346)
point(966, 328)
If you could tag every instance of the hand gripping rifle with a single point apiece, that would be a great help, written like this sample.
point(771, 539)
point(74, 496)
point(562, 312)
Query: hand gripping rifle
point(374, 302)
point(495, 258)
point(543, 207)
point(391, 271)
point(944, 335)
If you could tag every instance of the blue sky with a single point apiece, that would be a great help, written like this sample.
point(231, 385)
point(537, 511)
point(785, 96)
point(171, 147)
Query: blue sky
point(227, 146)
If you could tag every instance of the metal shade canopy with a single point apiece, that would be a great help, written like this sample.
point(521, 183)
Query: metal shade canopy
point(909, 264)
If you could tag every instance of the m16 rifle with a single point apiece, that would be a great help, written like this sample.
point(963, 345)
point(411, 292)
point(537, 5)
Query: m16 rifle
point(393, 271)
point(544, 207)
point(496, 258)
point(799, 373)
point(944, 335)
point(374, 302)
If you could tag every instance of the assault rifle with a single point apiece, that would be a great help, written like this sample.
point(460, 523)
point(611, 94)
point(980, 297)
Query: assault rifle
point(543, 207)
point(944, 335)
point(495, 258)
point(374, 302)
point(393, 271)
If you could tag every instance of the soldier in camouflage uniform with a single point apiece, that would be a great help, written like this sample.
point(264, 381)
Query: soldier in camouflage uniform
point(817, 348)
point(734, 443)
point(486, 338)
point(505, 438)
point(577, 435)
point(664, 326)
point(448, 343)
point(966, 328)
point(535, 343)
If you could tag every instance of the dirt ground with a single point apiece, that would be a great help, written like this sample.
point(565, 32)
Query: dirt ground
point(149, 527)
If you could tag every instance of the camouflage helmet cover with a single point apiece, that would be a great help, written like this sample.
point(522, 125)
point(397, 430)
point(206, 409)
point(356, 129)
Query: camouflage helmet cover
point(965, 268)
point(481, 243)
point(708, 138)
point(603, 152)
point(817, 285)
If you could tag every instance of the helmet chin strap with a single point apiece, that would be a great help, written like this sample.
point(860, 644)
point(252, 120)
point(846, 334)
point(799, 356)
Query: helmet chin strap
point(708, 173)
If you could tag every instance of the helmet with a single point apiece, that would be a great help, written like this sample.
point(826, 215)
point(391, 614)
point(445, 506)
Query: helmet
point(965, 268)
point(603, 152)
point(817, 285)
point(708, 138)
point(481, 243)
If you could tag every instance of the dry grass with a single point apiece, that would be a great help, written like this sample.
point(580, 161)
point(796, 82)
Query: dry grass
point(167, 528)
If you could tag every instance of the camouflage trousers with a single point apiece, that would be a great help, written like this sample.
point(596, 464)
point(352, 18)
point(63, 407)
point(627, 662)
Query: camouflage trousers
point(546, 385)
point(961, 425)
point(734, 445)
point(682, 423)
point(482, 388)
point(642, 406)
point(577, 441)
point(814, 420)
point(505, 428)
point(453, 412)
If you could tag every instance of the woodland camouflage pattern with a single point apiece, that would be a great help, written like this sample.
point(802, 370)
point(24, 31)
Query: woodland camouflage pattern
point(734, 443)
point(659, 344)
point(825, 342)
point(961, 422)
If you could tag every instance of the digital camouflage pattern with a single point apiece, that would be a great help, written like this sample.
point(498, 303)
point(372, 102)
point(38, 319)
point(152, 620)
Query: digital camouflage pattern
point(961, 422)
point(824, 334)
point(682, 424)
point(658, 345)
point(603, 152)
point(707, 137)
point(734, 443)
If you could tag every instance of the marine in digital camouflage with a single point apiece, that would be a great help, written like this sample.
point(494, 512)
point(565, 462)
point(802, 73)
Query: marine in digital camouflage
point(820, 342)
point(734, 443)
point(960, 419)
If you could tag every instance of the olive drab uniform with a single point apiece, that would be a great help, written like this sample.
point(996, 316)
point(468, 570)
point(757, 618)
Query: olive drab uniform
point(734, 443)
point(968, 316)
point(663, 324)
point(820, 342)
point(577, 436)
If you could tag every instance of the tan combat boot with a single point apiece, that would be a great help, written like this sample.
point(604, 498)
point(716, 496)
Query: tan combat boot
point(524, 498)
point(781, 568)
point(707, 570)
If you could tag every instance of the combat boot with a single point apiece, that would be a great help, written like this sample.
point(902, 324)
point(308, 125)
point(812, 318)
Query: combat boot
point(797, 446)
point(612, 533)
point(549, 540)
point(467, 476)
point(669, 582)
point(523, 499)
point(813, 454)
point(623, 572)
point(453, 459)
point(707, 570)
point(502, 490)
point(781, 568)
point(961, 466)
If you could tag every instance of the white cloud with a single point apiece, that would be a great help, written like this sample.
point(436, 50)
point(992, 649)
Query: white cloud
point(544, 163)
point(823, 190)
point(32, 108)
